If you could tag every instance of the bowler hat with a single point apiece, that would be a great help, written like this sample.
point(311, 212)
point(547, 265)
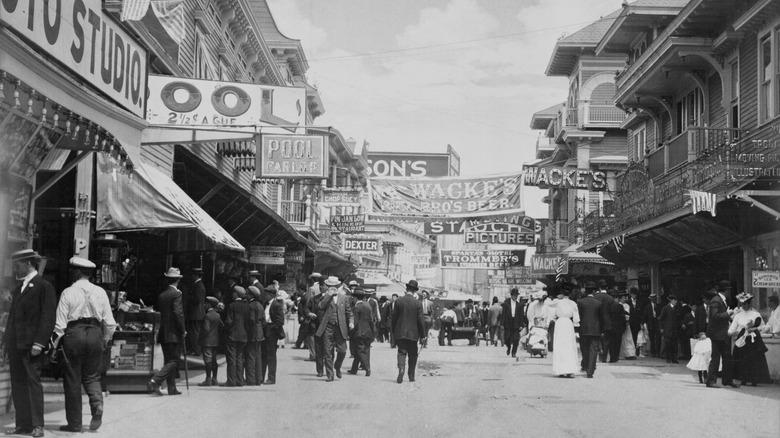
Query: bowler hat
point(671, 297)
point(25, 254)
point(412, 285)
point(724, 284)
point(514, 291)
point(173, 273)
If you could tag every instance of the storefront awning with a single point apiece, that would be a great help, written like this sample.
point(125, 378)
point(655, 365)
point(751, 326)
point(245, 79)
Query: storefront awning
point(147, 199)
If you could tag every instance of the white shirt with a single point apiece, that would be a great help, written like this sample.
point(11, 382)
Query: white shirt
point(85, 300)
point(451, 313)
point(27, 279)
point(513, 305)
point(773, 323)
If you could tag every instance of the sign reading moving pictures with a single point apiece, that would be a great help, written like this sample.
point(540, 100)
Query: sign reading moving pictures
point(445, 197)
point(88, 41)
point(408, 164)
point(564, 178)
point(361, 245)
point(480, 259)
point(292, 156)
point(234, 105)
point(547, 264)
point(459, 225)
point(499, 233)
point(349, 223)
point(338, 197)
point(266, 255)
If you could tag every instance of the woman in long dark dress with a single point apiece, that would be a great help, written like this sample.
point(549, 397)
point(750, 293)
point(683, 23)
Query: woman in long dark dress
point(749, 350)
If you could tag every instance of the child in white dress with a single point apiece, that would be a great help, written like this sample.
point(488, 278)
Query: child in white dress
point(700, 359)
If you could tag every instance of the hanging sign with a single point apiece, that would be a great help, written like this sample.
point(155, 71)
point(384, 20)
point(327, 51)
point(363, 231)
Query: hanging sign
point(295, 256)
point(766, 278)
point(513, 276)
point(499, 233)
point(564, 178)
point(361, 245)
point(480, 259)
point(175, 101)
point(336, 197)
point(349, 223)
point(445, 197)
point(87, 41)
point(459, 225)
point(549, 264)
point(266, 255)
point(292, 156)
point(408, 164)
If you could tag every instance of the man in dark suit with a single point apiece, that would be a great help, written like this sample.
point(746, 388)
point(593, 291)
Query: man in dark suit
point(408, 329)
point(593, 319)
point(334, 326)
point(717, 331)
point(363, 334)
point(315, 315)
point(236, 321)
point(384, 319)
point(606, 331)
point(274, 331)
point(670, 323)
point(514, 316)
point(650, 316)
point(28, 330)
point(390, 312)
point(634, 314)
point(171, 333)
point(309, 325)
point(617, 315)
point(196, 310)
point(209, 341)
point(494, 317)
point(255, 334)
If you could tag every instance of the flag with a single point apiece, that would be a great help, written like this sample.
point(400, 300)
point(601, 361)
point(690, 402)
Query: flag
point(703, 201)
point(599, 248)
point(170, 13)
point(559, 269)
point(134, 10)
point(619, 241)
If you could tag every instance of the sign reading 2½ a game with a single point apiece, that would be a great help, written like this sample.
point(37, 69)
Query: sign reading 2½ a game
point(445, 197)
point(88, 41)
point(293, 156)
point(235, 105)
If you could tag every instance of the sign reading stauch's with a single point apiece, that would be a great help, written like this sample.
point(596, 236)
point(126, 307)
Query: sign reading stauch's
point(84, 38)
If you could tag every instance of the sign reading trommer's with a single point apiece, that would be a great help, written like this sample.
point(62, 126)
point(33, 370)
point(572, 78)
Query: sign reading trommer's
point(293, 156)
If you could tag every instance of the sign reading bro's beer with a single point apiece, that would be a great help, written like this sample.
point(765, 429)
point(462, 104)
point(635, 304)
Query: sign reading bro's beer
point(292, 156)
point(362, 245)
point(224, 105)
point(84, 38)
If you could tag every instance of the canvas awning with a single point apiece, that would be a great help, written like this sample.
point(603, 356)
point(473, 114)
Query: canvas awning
point(148, 199)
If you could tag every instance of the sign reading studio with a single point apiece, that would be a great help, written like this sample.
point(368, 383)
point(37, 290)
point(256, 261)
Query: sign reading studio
point(87, 40)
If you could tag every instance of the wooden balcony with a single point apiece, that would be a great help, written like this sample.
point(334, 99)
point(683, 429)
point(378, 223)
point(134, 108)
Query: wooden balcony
point(601, 114)
point(302, 215)
point(693, 144)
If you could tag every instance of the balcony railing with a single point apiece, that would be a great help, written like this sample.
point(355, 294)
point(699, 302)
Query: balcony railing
point(300, 213)
point(693, 144)
point(602, 113)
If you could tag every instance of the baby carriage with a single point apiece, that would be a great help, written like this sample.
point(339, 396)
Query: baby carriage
point(537, 339)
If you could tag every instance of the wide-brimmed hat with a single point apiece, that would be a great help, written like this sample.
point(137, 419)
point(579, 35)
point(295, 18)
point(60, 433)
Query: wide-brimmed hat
point(332, 281)
point(412, 285)
point(353, 283)
point(315, 275)
point(81, 262)
point(253, 273)
point(173, 273)
point(743, 297)
point(25, 254)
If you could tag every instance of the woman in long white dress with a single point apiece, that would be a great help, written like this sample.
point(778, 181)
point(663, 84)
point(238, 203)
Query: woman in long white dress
point(627, 347)
point(564, 355)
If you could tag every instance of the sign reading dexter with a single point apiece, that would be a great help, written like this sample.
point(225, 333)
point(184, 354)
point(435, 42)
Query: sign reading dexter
point(480, 259)
point(362, 245)
point(292, 156)
point(445, 197)
point(233, 105)
point(84, 38)
point(565, 178)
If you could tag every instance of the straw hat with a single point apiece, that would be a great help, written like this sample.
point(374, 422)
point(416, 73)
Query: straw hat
point(173, 273)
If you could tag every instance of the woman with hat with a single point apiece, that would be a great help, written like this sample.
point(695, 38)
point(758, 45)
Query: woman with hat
point(566, 315)
point(749, 349)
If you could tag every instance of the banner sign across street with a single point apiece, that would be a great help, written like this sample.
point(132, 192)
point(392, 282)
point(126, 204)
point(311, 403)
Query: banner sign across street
point(445, 197)
point(459, 225)
point(480, 259)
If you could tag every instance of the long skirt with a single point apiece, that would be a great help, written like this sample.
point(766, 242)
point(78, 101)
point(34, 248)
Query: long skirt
point(627, 347)
point(750, 361)
point(564, 356)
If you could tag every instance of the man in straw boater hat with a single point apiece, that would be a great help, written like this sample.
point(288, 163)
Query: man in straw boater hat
point(408, 329)
point(170, 334)
point(27, 333)
point(85, 325)
point(334, 326)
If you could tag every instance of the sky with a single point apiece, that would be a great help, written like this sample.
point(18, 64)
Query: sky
point(416, 75)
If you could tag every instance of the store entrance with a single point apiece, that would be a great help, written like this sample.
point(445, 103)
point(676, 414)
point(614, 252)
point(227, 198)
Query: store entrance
point(690, 277)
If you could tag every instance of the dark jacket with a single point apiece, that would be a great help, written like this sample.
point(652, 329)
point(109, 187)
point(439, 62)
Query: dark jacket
point(196, 302)
point(688, 321)
point(509, 322)
point(343, 313)
point(669, 321)
point(407, 320)
point(387, 315)
point(718, 326)
point(32, 315)
point(606, 302)
point(593, 316)
point(255, 328)
point(635, 315)
point(364, 322)
point(274, 330)
point(647, 313)
point(700, 319)
point(617, 315)
point(209, 329)
point(237, 320)
point(171, 316)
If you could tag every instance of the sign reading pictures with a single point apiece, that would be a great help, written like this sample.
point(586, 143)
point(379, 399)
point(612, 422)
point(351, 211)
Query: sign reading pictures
point(549, 264)
point(88, 41)
point(361, 245)
point(480, 259)
point(349, 223)
point(266, 255)
point(396, 164)
point(293, 156)
point(175, 101)
point(340, 197)
point(445, 197)
point(459, 225)
point(499, 233)
point(564, 178)
point(766, 278)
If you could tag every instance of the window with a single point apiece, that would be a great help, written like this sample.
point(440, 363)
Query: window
point(734, 87)
point(640, 143)
point(202, 70)
point(765, 79)
point(690, 110)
